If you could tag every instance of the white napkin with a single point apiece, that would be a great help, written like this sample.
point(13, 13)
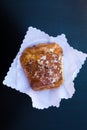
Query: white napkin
point(72, 63)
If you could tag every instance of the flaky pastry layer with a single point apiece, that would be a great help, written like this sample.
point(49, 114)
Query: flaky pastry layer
point(42, 65)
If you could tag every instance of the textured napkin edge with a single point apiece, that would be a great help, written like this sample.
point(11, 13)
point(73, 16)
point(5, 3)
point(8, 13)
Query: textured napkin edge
point(7, 83)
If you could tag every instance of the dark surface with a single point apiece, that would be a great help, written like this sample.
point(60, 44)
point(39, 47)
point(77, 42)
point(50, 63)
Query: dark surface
point(54, 17)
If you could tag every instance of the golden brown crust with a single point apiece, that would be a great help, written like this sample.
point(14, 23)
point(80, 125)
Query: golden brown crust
point(42, 65)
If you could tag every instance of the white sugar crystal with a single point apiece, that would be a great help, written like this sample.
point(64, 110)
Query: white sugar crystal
point(55, 61)
point(59, 58)
point(47, 62)
point(43, 58)
point(53, 80)
point(51, 49)
point(50, 72)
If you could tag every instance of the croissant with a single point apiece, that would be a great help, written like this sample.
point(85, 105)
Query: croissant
point(43, 65)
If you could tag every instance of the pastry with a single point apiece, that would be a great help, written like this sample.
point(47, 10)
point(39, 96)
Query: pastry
point(43, 65)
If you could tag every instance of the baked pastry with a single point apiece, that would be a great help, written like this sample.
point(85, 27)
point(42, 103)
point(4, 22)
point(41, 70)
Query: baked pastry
point(42, 65)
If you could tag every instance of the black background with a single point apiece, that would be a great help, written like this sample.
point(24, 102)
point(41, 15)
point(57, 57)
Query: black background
point(54, 17)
